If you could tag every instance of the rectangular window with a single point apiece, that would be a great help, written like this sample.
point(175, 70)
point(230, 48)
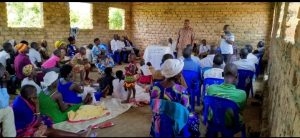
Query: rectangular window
point(25, 14)
point(81, 15)
point(116, 18)
point(292, 21)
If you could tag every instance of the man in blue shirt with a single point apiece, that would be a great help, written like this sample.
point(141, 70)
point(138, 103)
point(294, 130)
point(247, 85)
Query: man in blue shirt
point(189, 63)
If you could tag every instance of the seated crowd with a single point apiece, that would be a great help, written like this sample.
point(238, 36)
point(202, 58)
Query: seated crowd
point(48, 90)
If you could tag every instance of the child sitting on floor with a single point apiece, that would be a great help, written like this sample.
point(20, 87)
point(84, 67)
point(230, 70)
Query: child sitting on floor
point(146, 75)
point(130, 72)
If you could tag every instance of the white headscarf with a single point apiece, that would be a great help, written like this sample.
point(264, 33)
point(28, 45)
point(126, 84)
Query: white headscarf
point(49, 78)
point(171, 67)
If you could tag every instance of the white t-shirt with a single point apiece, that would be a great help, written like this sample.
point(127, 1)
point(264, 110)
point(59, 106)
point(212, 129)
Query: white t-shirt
point(252, 58)
point(145, 69)
point(34, 56)
point(89, 55)
point(116, 44)
point(3, 57)
point(119, 91)
point(173, 46)
point(203, 49)
point(213, 73)
point(207, 61)
point(26, 81)
point(227, 48)
point(245, 64)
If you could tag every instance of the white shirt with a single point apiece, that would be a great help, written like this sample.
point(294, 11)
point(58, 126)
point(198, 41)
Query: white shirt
point(245, 64)
point(34, 56)
point(146, 71)
point(173, 46)
point(225, 47)
point(3, 57)
point(119, 91)
point(116, 45)
point(214, 73)
point(252, 58)
point(203, 49)
point(89, 55)
point(207, 61)
point(194, 58)
point(26, 81)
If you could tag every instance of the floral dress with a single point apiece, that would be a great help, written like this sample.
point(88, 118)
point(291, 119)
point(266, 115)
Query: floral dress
point(161, 124)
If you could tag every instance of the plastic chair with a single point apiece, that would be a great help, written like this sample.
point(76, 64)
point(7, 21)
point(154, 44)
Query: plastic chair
point(210, 81)
point(219, 107)
point(204, 69)
point(192, 80)
point(245, 81)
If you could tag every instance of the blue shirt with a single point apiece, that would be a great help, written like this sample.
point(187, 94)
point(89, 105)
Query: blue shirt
point(71, 50)
point(190, 64)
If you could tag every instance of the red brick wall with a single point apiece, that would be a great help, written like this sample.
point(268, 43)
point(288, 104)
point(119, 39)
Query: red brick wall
point(155, 22)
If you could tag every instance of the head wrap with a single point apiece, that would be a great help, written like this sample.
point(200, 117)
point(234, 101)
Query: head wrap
point(27, 70)
point(171, 67)
point(21, 47)
point(58, 44)
point(48, 79)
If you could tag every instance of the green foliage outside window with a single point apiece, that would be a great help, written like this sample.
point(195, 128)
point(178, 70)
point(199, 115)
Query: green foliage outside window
point(24, 14)
point(81, 15)
point(116, 19)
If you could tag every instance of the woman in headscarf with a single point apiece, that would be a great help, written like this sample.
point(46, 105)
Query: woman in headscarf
point(30, 74)
point(21, 60)
point(44, 50)
point(172, 98)
point(51, 101)
point(29, 122)
point(157, 76)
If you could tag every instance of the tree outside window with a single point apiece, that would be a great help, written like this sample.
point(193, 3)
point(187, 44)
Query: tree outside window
point(81, 15)
point(25, 14)
point(116, 19)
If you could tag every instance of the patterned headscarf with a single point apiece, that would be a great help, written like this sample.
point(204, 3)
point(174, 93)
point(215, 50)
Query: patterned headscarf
point(27, 70)
point(21, 47)
point(58, 44)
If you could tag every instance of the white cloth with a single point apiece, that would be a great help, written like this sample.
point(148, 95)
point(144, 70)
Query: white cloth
point(203, 49)
point(26, 81)
point(119, 91)
point(34, 56)
point(251, 57)
point(227, 48)
point(213, 73)
point(3, 57)
point(171, 67)
point(154, 54)
point(145, 69)
point(194, 58)
point(89, 55)
point(8, 122)
point(245, 64)
point(172, 46)
point(207, 61)
point(116, 45)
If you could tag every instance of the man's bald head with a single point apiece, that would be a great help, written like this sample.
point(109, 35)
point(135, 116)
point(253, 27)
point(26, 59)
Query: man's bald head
point(244, 53)
point(230, 73)
point(187, 52)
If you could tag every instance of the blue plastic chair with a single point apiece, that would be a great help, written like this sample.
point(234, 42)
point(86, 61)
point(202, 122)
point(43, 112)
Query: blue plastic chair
point(210, 81)
point(219, 106)
point(204, 69)
point(245, 78)
point(192, 80)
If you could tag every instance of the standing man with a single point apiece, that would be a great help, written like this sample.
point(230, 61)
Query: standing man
point(227, 40)
point(185, 36)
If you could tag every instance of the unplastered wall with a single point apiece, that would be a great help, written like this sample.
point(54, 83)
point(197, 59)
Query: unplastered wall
point(284, 78)
point(153, 23)
point(57, 24)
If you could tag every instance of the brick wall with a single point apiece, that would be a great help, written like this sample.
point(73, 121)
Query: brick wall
point(284, 81)
point(57, 24)
point(156, 22)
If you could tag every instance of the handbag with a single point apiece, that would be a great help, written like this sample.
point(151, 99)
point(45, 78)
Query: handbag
point(4, 98)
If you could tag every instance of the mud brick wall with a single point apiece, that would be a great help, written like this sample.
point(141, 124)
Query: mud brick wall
point(153, 23)
point(57, 24)
point(284, 79)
